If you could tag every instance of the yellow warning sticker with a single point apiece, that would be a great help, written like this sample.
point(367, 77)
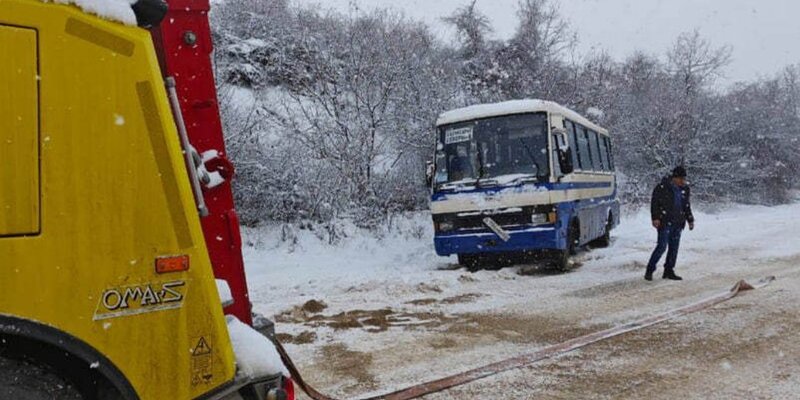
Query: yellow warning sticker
point(202, 348)
point(202, 362)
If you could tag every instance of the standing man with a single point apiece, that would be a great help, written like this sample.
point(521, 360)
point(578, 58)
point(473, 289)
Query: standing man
point(671, 210)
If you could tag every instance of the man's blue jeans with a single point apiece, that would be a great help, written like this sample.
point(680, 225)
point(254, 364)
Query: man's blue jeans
point(669, 239)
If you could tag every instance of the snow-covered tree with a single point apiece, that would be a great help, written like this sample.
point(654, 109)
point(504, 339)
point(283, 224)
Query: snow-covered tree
point(331, 115)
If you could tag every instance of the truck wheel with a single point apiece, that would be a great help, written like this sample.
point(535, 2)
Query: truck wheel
point(22, 380)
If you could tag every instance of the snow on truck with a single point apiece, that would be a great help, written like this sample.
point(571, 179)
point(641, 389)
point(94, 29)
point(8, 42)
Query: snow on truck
point(119, 242)
point(512, 178)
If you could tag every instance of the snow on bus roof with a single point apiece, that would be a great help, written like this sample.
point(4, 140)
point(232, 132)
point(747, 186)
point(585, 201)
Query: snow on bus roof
point(513, 107)
point(112, 10)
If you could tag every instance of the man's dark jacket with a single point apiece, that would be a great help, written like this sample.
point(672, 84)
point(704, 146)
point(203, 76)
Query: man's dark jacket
point(663, 207)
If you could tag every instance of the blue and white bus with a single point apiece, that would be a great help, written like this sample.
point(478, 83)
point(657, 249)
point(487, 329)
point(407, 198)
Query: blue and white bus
point(517, 177)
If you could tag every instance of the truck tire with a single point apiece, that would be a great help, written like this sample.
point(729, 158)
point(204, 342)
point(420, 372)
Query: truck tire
point(23, 380)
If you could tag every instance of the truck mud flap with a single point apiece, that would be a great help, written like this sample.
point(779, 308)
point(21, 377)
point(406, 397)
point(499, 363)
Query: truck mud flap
point(526, 360)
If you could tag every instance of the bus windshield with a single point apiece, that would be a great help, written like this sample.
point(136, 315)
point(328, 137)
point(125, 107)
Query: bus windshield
point(493, 150)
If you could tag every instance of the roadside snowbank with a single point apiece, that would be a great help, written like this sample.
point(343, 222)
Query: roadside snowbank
point(301, 257)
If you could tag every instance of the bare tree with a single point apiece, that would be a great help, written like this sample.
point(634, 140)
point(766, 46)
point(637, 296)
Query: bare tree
point(696, 63)
point(534, 55)
point(472, 28)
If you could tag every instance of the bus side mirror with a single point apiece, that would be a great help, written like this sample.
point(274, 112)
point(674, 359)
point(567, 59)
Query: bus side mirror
point(429, 171)
point(565, 160)
point(564, 152)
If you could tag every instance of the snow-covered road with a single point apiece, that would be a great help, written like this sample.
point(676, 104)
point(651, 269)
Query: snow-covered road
point(376, 314)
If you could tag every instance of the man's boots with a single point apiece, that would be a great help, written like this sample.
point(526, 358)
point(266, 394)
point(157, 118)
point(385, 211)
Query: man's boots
point(648, 276)
point(670, 275)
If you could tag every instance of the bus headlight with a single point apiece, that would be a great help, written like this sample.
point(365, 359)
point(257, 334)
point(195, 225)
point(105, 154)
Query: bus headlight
point(446, 226)
point(539, 219)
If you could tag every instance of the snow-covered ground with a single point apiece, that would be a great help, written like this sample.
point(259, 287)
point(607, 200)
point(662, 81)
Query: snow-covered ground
point(355, 311)
point(282, 275)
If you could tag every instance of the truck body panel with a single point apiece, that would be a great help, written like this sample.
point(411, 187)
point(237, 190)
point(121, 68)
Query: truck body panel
point(115, 198)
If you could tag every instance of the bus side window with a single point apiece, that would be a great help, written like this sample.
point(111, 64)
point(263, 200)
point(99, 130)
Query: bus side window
point(610, 157)
point(610, 154)
point(594, 144)
point(573, 143)
point(583, 149)
point(604, 153)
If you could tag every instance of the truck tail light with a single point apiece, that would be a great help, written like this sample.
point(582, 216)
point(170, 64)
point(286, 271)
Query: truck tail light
point(169, 264)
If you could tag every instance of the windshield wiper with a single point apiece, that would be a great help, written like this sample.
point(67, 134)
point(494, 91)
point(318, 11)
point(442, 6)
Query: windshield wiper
point(481, 170)
point(532, 157)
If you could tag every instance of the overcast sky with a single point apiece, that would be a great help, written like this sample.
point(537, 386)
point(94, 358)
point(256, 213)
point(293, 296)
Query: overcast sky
point(764, 33)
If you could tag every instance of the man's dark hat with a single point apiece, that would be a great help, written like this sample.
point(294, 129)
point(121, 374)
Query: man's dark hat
point(679, 172)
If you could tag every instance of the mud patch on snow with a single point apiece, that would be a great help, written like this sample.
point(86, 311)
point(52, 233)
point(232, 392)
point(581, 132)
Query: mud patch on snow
point(373, 321)
point(464, 298)
point(306, 337)
point(635, 266)
point(444, 343)
point(347, 365)
point(428, 288)
point(520, 328)
point(460, 299)
point(610, 288)
point(314, 306)
point(422, 302)
point(304, 312)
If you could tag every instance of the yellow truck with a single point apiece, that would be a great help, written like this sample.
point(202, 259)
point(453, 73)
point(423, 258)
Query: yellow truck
point(106, 288)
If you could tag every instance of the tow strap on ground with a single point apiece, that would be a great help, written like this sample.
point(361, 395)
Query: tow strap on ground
point(439, 385)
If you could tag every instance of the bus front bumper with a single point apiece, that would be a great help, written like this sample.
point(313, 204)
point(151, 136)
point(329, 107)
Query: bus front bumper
point(529, 239)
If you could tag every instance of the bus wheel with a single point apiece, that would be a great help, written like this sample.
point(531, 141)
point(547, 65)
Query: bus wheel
point(498, 261)
point(561, 261)
point(472, 262)
point(605, 240)
point(25, 381)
